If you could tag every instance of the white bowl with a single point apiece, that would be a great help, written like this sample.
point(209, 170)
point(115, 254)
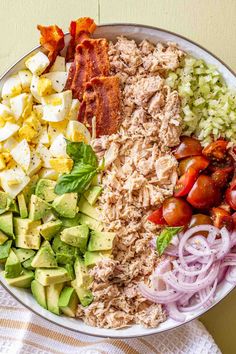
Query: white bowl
point(138, 33)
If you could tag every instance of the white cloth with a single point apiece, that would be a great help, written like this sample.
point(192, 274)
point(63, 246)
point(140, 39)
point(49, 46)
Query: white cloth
point(22, 332)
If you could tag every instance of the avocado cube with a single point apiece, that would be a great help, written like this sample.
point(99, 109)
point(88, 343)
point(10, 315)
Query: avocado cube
point(45, 189)
point(3, 238)
point(92, 258)
point(66, 205)
point(67, 222)
point(70, 269)
point(90, 222)
point(45, 257)
point(5, 202)
point(68, 301)
point(92, 194)
point(51, 276)
point(50, 216)
point(87, 209)
point(23, 254)
point(85, 295)
point(39, 293)
point(22, 281)
point(76, 236)
point(82, 277)
point(27, 264)
point(38, 208)
point(50, 229)
point(14, 207)
point(30, 188)
point(64, 253)
point(53, 292)
point(22, 206)
point(101, 241)
point(5, 250)
point(6, 224)
point(27, 233)
point(28, 241)
point(13, 266)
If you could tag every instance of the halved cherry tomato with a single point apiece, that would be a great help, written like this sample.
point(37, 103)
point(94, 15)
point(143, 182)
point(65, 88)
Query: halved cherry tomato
point(222, 176)
point(185, 182)
point(222, 218)
point(199, 163)
point(200, 219)
point(204, 193)
point(157, 217)
point(234, 219)
point(216, 150)
point(176, 211)
point(188, 147)
point(230, 195)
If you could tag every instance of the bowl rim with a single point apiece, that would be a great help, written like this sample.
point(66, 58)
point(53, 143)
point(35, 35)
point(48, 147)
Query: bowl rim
point(135, 25)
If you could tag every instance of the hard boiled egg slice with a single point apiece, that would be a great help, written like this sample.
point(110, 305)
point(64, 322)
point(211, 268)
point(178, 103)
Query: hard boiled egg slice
point(9, 144)
point(35, 164)
point(25, 79)
point(49, 173)
point(59, 64)
point(37, 63)
point(5, 112)
point(13, 181)
point(8, 130)
point(74, 110)
point(58, 147)
point(56, 106)
point(21, 105)
point(58, 79)
point(34, 88)
point(21, 154)
point(43, 137)
point(44, 154)
point(77, 131)
point(11, 87)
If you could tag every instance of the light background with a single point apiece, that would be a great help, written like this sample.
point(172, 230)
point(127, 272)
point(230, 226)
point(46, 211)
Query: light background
point(211, 23)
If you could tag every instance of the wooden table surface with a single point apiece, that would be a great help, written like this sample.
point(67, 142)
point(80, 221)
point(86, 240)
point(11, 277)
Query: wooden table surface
point(211, 23)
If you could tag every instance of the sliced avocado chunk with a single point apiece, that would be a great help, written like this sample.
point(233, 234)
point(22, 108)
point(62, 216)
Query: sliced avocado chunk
point(28, 241)
point(22, 281)
point(30, 188)
point(76, 236)
point(64, 253)
point(22, 206)
point(5, 250)
point(39, 293)
point(6, 223)
point(92, 258)
point(21, 226)
point(14, 207)
point(70, 269)
point(50, 216)
point(13, 266)
point(37, 208)
point(45, 189)
point(101, 241)
point(92, 194)
point(90, 222)
point(27, 233)
point(50, 229)
point(27, 264)
point(85, 295)
point(45, 257)
point(5, 202)
point(82, 277)
point(66, 205)
point(67, 222)
point(68, 301)
point(87, 209)
point(51, 276)
point(53, 292)
point(3, 238)
point(23, 254)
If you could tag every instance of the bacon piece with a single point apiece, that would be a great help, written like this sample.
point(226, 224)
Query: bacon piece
point(102, 99)
point(91, 60)
point(79, 30)
point(52, 39)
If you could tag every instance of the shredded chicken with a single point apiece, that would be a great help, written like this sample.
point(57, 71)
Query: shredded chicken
point(140, 173)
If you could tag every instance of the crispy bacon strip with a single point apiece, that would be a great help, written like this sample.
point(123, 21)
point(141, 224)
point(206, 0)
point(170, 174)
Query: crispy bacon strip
point(91, 60)
point(102, 99)
point(52, 39)
point(79, 30)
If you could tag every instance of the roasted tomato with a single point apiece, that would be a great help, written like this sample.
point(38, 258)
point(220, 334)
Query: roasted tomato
point(221, 176)
point(204, 194)
point(199, 163)
point(185, 182)
point(176, 211)
point(188, 147)
point(216, 150)
point(230, 195)
point(201, 219)
point(222, 218)
point(157, 217)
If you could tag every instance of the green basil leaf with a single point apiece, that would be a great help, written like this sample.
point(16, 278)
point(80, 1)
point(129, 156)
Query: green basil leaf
point(165, 237)
point(77, 180)
point(81, 152)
